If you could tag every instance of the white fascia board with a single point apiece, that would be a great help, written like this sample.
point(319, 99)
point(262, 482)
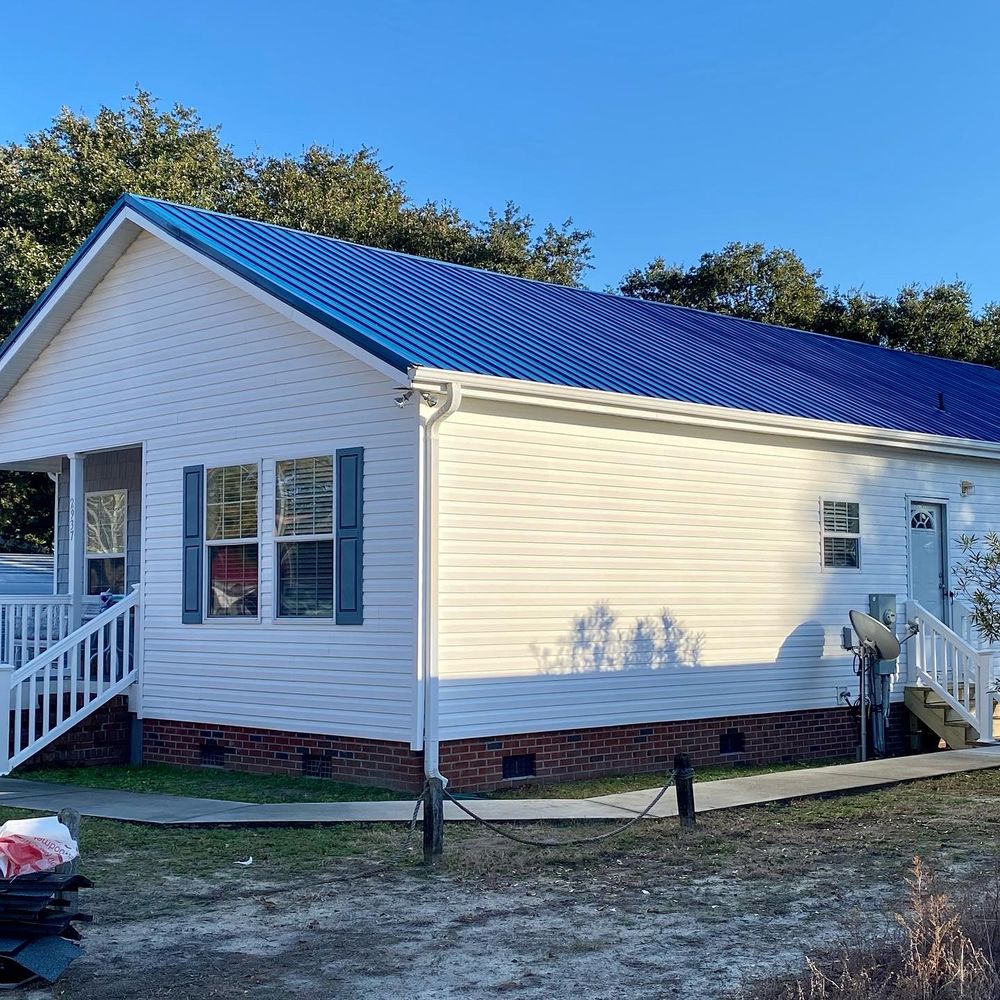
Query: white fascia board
point(697, 414)
point(282, 308)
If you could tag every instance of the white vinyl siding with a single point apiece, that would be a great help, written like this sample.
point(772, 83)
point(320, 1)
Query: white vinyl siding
point(597, 571)
point(166, 354)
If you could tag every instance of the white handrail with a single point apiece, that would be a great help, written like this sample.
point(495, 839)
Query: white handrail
point(958, 672)
point(961, 615)
point(67, 682)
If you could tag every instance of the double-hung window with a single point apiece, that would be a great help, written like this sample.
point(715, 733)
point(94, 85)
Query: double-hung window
point(107, 514)
point(304, 536)
point(232, 519)
point(841, 534)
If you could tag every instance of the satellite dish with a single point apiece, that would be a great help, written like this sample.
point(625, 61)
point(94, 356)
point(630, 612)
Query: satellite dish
point(872, 631)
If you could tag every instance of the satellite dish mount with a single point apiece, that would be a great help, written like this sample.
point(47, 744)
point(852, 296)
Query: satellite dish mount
point(876, 651)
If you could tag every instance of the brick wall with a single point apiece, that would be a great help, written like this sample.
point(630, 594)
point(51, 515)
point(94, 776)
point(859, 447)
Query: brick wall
point(270, 751)
point(101, 738)
point(477, 764)
point(647, 749)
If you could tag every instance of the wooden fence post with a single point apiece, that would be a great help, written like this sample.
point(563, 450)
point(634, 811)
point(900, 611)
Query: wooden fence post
point(433, 820)
point(684, 784)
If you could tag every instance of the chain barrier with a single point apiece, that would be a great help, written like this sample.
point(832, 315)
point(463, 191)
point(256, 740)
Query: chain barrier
point(576, 841)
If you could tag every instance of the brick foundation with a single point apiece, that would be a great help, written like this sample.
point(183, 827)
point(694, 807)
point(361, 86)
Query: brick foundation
point(101, 738)
point(650, 748)
point(477, 764)
point(271, 751)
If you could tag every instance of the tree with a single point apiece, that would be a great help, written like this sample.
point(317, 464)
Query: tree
point(26, 507)
point(56, 185)
point(743, 279)
point(935, 320)
point(977, 579)
point(774, 286)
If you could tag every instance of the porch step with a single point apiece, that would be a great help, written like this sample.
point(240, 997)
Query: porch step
point(942, 720)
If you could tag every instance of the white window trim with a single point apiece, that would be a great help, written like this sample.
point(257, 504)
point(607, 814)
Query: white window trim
point(230, 620)
point(824, 534)
point(278, 540)
point(87, 556)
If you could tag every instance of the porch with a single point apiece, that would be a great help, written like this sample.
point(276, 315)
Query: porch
point(66, 653)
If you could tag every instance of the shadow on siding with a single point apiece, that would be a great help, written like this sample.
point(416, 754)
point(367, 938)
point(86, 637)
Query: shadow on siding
point(598, 643)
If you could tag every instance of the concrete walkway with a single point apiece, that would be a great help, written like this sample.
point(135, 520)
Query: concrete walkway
point(729, 793)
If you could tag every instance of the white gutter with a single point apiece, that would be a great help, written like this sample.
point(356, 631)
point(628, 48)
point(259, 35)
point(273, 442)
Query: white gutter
point(428, 618)
point(700, 414)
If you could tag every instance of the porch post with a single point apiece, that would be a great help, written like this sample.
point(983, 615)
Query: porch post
point(75, 542)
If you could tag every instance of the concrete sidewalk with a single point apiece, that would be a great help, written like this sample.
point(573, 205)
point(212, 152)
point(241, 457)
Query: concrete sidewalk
point(728, 793)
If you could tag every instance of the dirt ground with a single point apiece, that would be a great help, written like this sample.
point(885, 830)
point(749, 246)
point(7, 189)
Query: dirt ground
point(399, 936)
point(657, 915)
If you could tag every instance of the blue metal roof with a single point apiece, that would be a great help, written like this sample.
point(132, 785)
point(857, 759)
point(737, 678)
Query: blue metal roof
point(412, 311)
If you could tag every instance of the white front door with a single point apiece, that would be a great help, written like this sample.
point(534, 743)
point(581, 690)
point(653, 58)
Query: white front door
point(929, 557)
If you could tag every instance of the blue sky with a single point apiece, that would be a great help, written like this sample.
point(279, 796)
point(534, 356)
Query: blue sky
point(863, 135)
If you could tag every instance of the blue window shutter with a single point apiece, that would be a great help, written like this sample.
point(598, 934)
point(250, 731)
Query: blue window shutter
point(194, 545)
point(350, 542)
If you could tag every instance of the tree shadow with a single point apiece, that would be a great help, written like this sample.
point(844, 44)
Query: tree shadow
point(599, 643)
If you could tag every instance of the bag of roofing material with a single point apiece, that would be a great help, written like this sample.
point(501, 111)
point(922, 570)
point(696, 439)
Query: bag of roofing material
point(34, 845)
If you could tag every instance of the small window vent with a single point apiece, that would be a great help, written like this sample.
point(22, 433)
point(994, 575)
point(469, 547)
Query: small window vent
point(213, 754)
point(519, 766)
point(732, 741)
point(316, 765)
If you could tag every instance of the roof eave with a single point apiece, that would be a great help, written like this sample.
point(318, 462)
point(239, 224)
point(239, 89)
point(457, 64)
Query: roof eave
point(697, 414)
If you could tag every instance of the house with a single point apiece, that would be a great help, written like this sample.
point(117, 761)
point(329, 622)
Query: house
point(369, 514)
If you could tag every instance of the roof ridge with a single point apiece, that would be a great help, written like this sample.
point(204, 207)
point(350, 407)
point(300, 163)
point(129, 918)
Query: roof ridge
point(402, 310)
point(604, 296)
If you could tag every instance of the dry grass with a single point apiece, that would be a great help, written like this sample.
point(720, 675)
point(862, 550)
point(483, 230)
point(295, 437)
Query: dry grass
point(951, 820)
point(941, 949)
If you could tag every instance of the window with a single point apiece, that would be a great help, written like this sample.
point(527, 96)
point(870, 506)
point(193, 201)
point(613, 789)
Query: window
point(303, 517)
point(841, 535)
point(106, 519)
point(231, 527)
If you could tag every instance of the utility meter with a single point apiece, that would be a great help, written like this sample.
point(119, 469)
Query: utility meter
point(882, 607)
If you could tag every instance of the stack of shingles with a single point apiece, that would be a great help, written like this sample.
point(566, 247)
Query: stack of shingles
point(37, 936)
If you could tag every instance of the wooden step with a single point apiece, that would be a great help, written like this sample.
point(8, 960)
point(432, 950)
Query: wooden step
point(940, 718)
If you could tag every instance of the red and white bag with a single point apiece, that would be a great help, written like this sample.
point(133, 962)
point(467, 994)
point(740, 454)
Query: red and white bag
point(34, 845)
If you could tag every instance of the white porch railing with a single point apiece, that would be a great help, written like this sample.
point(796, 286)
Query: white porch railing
point(29, 625)
point(955, 669)
point(67, 681)
point(961, 615)
point(961, 621)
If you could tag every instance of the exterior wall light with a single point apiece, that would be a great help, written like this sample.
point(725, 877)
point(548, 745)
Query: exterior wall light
point(967, 488)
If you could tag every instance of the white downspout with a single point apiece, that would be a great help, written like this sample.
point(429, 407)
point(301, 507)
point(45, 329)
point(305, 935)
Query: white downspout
point(429, 570)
